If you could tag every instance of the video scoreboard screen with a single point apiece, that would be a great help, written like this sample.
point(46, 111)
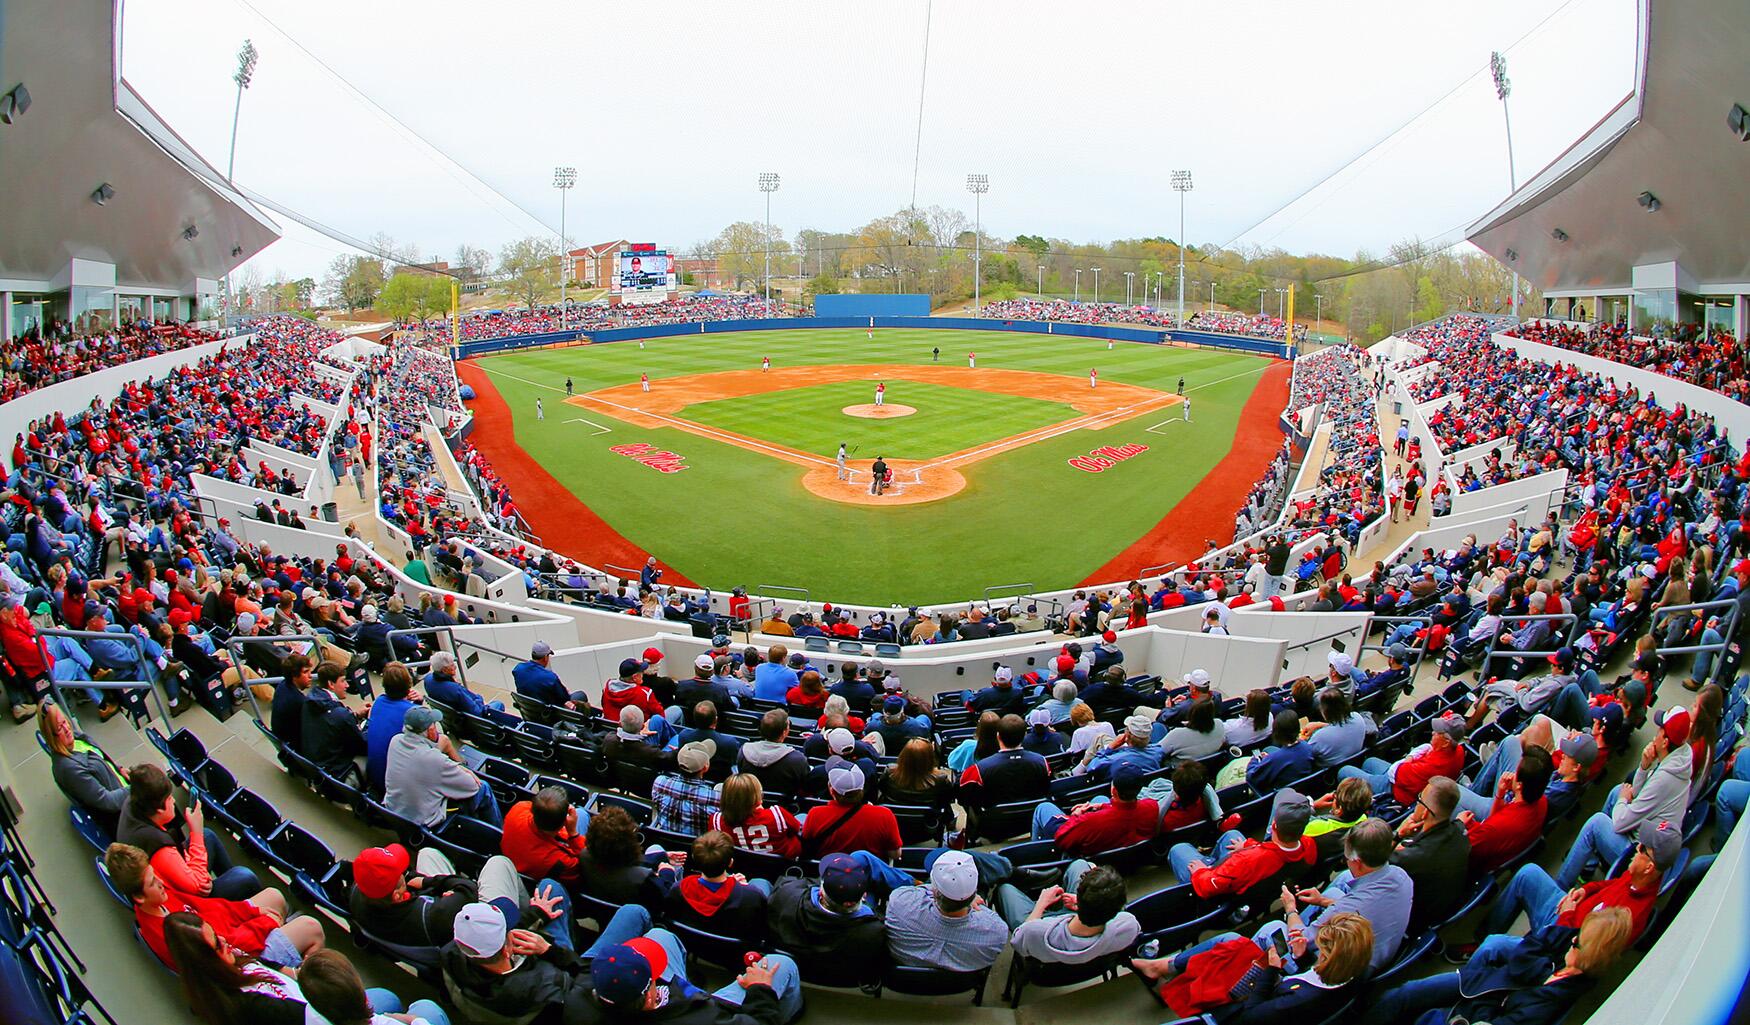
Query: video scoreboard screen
point(644, 268)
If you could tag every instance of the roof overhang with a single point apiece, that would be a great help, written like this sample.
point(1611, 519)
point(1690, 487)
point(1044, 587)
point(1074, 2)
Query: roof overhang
point(87, 127)
point(1667, 137)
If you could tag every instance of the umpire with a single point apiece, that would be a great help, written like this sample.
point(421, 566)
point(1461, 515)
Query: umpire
point(878, 474)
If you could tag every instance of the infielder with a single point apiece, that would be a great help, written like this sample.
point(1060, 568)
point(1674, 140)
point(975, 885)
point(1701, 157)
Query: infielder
point(644, 381)
point(1186, 405)
point(880, 393)
point(1093, 378)
point(844, 474)
point(540, 413)
point(765, 363)
point(871, 329)
point(972, 360)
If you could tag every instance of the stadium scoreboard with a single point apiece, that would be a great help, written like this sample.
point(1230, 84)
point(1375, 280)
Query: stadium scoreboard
point(643, 270)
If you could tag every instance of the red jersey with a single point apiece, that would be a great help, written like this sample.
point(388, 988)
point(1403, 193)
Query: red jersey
point(870, 828)
point(768, 830)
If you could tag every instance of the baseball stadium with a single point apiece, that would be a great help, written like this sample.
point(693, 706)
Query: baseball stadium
point(1130, 611)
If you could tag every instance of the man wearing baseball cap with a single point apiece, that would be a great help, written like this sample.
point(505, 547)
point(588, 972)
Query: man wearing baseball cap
point(644, 978)
point(837, 745)
point(424, 774)
point(681, 800)
point(629, 690)
point(495, 972)
point(414, 900)
point(945, 924)
point(828, 924)
point(1001, 696)
point(1238, 864)
point(1657, 846)
point(1443, 755)
point(1133, 748)
point(703, 685)
point(536, 679)
point(1658, 793)
point(850, 823)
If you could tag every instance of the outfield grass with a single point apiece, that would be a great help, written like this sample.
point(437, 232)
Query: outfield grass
point(813, 419)
point(736, 517)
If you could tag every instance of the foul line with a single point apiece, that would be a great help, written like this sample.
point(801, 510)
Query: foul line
point(1047, 433)
point(599, 429)
point(1163, 423)
point(793, 455)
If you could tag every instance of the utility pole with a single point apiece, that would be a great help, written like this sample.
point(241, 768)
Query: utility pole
point(1128, 278)
point(978, 185)
point(1181, 185)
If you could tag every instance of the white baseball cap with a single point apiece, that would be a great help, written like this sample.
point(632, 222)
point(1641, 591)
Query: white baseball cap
point(1341, 662)
point(480, 929)
point(955, 875)
point(840, 740)
point(842, 779)
point(1198, 677)
point(1005, 674)
point(704, 662)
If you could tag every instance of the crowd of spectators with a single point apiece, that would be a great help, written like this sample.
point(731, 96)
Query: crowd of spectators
point(599, 316)
point(1068, 312)
point(1708, 357)
point(53, 354)
point(1230, 323)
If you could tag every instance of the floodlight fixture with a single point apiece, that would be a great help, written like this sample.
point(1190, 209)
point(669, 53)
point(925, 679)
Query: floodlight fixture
point(247, 58)
point(564, 177)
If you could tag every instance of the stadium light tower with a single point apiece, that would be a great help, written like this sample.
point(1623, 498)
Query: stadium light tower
point(1212, 297)
point(1039, 290)
point(1181, 185)
point(768, 185)
point(1280, 294)
point(1096, 271)
point(247, 58)
point(1262, 292)
point(1318, 306)
point(1078, 296)
point(978, 185)
point(1504, 89)
point(1129, 276)
point(563, 180)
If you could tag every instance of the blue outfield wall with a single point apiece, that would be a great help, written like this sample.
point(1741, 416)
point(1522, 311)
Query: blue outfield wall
point(852, 305)
point(1258, 346)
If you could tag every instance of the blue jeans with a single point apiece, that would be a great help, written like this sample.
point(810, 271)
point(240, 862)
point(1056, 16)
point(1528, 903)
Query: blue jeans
point(1531, 891)
point(482, 806)
point(786, 980)
point(1403, 633)
point(558, 929)
point(1504, 759)
point(1704, 660)
point(1729, 804)
point(1182, 854)
point(1048, 818)
point(1475, 803)
point(1373, 770)
point(1405, 1003)
point(1015, 905)
point(1599, 840)
point(385, 1002)
point(229, 882)
point(881, 874)
point(628, 923)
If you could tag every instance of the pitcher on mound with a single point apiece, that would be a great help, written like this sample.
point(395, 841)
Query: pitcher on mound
point(880, 393)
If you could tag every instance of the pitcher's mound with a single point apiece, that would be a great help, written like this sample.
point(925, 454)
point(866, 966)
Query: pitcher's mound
point(870, 411)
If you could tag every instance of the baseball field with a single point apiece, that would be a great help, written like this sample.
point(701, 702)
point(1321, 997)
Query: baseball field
point(1020, 469)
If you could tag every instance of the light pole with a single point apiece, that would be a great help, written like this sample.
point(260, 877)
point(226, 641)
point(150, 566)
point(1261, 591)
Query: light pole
point(1280, 294)
point(1096, 271)
point(1078, 296)
point(978, 185)
point(1503, 89)
point(1212, 297)
point(1318, 306)
point(1129, 276)
point(768, 185)
point(247, 58)
point(1039, 290)
point(1262, 292)
point(1181, 185)
point(563, 180)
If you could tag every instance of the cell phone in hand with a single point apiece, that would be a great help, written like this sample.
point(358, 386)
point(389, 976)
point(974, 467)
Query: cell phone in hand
point(1280, 942)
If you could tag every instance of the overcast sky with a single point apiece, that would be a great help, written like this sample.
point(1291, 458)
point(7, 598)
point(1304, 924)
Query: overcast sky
point(1077, 112)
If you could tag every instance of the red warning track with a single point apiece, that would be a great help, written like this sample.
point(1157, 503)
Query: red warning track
point(1208, 511)
point(564, 523)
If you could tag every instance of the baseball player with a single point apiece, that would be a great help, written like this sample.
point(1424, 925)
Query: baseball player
point(644, 381)
point(936, 354)
point(765, 363)
point(568, 386)
point(972, 360)
point(1093, 378)
point(1181, 384)
point(844, 474)
point(1108, 345)
point(640, 345)
point(540, 413)
point(880, 393)
point(871, 329)
point(1186, 405)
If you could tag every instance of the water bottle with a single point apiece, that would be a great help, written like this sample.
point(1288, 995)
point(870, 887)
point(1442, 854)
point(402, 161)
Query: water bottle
point(1149, 950)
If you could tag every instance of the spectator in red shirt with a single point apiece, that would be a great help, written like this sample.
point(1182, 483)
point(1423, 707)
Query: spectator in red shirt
point(1534, 892)
point(849, 823)
point(542, 838)
point(1102, 824)
point(257, 927)
point(1240, 864)
point(1515, 818)
point(629, 689)
point(1443, 755)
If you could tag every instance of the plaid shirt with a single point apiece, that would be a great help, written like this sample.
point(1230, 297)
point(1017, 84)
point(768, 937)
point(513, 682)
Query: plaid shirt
point(683, 805)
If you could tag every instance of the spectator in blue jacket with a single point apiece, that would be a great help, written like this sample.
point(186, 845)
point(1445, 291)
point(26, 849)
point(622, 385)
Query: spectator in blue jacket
point(442, 686)
point(1287, 759)
point(534, 679)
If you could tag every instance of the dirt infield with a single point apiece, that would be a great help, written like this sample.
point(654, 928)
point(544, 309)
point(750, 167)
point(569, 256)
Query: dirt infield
point(922, 480)
point(561, 519)
point(870, 411)
point(1207, 511)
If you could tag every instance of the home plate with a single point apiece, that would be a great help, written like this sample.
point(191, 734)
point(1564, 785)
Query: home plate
point(599, 429)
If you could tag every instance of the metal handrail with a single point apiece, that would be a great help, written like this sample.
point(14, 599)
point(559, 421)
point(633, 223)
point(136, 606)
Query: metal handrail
point(234, 646)
point(806, 594)
point(624, 572)
point(1731, 629)
point(454, 646)
point(1023, 588)
point(125, 637)
point(1494, 642)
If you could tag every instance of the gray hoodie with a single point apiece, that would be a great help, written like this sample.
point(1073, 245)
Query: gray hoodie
point(1661, 794)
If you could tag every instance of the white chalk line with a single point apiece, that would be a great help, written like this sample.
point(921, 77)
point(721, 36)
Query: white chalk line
point(1163, 423)
point(599, 429)
point(1086, 422)
point(734, 439)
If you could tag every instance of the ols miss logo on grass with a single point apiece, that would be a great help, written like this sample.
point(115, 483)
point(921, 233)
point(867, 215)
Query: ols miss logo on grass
point(1106, 456)
point(660, 460)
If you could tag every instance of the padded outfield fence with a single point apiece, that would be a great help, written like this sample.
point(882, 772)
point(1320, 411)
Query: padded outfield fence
point(1259, 346)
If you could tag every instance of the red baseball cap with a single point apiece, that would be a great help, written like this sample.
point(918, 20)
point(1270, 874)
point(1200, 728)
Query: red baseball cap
point(1109, 637)
point(377, 870)
point(652, 655)
point(1065, 664)
point(1675, 724)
